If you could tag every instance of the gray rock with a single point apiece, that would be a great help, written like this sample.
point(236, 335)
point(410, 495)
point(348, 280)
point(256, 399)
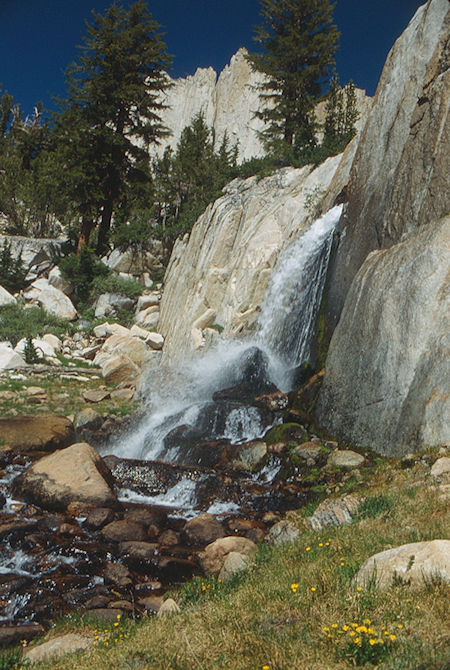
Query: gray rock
point(441, 467)
point(334, 512)
point(51, 299)
point(6, 298)
point(168, 608)
point(283, 532)
point(387, 370)
point(88, 418)
point(108, 303)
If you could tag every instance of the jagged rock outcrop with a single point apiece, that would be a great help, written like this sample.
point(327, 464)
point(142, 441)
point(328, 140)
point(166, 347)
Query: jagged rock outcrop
point(228, 103)
point(398, 177)
point(218, 275)
point(36, 254)
point(387, 370)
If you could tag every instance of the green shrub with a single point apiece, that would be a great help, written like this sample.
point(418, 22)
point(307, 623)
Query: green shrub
point(374, 506)
point(81, 271)
point(12, 272)
point(112, 283)
point(30, 352)
point(17, 322)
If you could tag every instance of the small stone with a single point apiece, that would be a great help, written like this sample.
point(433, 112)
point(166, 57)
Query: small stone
point(345, 459)
point(56, 647)
point(124, 395)
point(168, 608)
point(335, 512)
point(283, 532)
point(204, 529)
point(117, 574)
point(151, 603)
point(123, 605)
point(123, 531)
point(96, 396)
point(168, 538)
point(99, 517)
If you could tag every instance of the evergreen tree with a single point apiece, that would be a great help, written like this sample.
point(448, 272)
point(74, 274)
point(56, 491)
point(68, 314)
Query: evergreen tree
point(341, 116)
point(299, 41)
point(189, 179)
point(111, 115)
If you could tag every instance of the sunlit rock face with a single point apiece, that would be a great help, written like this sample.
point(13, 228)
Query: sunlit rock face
point(387, 370)
point(398, 177)
point(228, 102)
point(218, 275)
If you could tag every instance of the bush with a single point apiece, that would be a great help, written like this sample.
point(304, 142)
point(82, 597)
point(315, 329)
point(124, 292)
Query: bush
point(12, 272)
point(81, 271)
point(17, 322)
point(114, 284)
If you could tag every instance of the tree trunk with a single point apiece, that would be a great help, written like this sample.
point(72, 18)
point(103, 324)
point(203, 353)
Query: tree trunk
point(103, 231)
point(87, 226)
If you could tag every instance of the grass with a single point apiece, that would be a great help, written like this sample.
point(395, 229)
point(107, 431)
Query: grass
point(63, 395)
point(273, 616)
point(17, 322)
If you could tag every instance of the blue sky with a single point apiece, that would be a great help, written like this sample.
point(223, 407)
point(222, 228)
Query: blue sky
point(38, 38)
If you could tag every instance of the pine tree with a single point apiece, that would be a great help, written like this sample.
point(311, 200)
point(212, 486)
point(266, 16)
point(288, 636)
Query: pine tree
point(111, 115)
point(299, 41)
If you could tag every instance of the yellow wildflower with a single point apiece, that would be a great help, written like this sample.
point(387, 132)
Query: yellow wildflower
point(334, 625)
point(116, 623)
point(392, 637)
point(359, 588)
point(308, 548)
point(265, 667)
point(320, 544)
point(352, 633)
point(367, 621)
point(399, 625)
point(294, 588)
point(313, 588)
point(325, 629)
point(372, 642)
point(345, 628)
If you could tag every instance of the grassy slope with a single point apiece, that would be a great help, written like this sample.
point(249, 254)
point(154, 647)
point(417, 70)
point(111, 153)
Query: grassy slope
point(258, 621)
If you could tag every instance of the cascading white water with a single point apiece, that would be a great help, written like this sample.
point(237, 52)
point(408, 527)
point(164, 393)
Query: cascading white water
point(284, 334)
point(289, 312)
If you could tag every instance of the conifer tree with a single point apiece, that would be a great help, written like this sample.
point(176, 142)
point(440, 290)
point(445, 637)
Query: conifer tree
point(111, 114)
point(299, 41)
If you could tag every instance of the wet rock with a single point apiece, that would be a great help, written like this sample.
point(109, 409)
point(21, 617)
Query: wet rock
point(18, 527)
point(335, 512)
point(253, 454)
point(214, 555)
point(274, 402)
point(98, 602)
point(168, 538)
point(146, 516)
point(255, 534)
point(10, 635)
point(125, 530)
point(204, 529)
point(345, 459)
point(37, 433)
point(2, 500)
point(416, 564)
point(6, 455)
point(141, 551)
point(287, 433)
point(99, 517)
point(76, 473)
point(283, 532)
point(117, 574)
point(235, 562)
point(123, 605)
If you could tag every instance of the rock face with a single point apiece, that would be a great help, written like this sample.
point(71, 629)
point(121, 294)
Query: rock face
point(227, 102)
point(6, 298)
point(416, 564)
point(73, 474)
point(386, 379)
point(398, 177)
point(219, 274)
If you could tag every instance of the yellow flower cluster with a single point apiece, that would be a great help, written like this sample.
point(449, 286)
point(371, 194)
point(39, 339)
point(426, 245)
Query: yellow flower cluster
point(109, 635)
point(360, 633)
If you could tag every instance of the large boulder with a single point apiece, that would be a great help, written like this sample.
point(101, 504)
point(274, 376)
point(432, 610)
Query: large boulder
point(399, 175)
point(107, 304)
point(75, 474)
point(37, 433)
point(387, 371)
point(126, 345)
point(9, 359)
point(415, 564)
point(51, 299)
point(203, 529)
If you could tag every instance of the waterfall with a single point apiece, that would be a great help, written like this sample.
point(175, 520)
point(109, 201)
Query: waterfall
point(284, 336)
point(289, 312)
